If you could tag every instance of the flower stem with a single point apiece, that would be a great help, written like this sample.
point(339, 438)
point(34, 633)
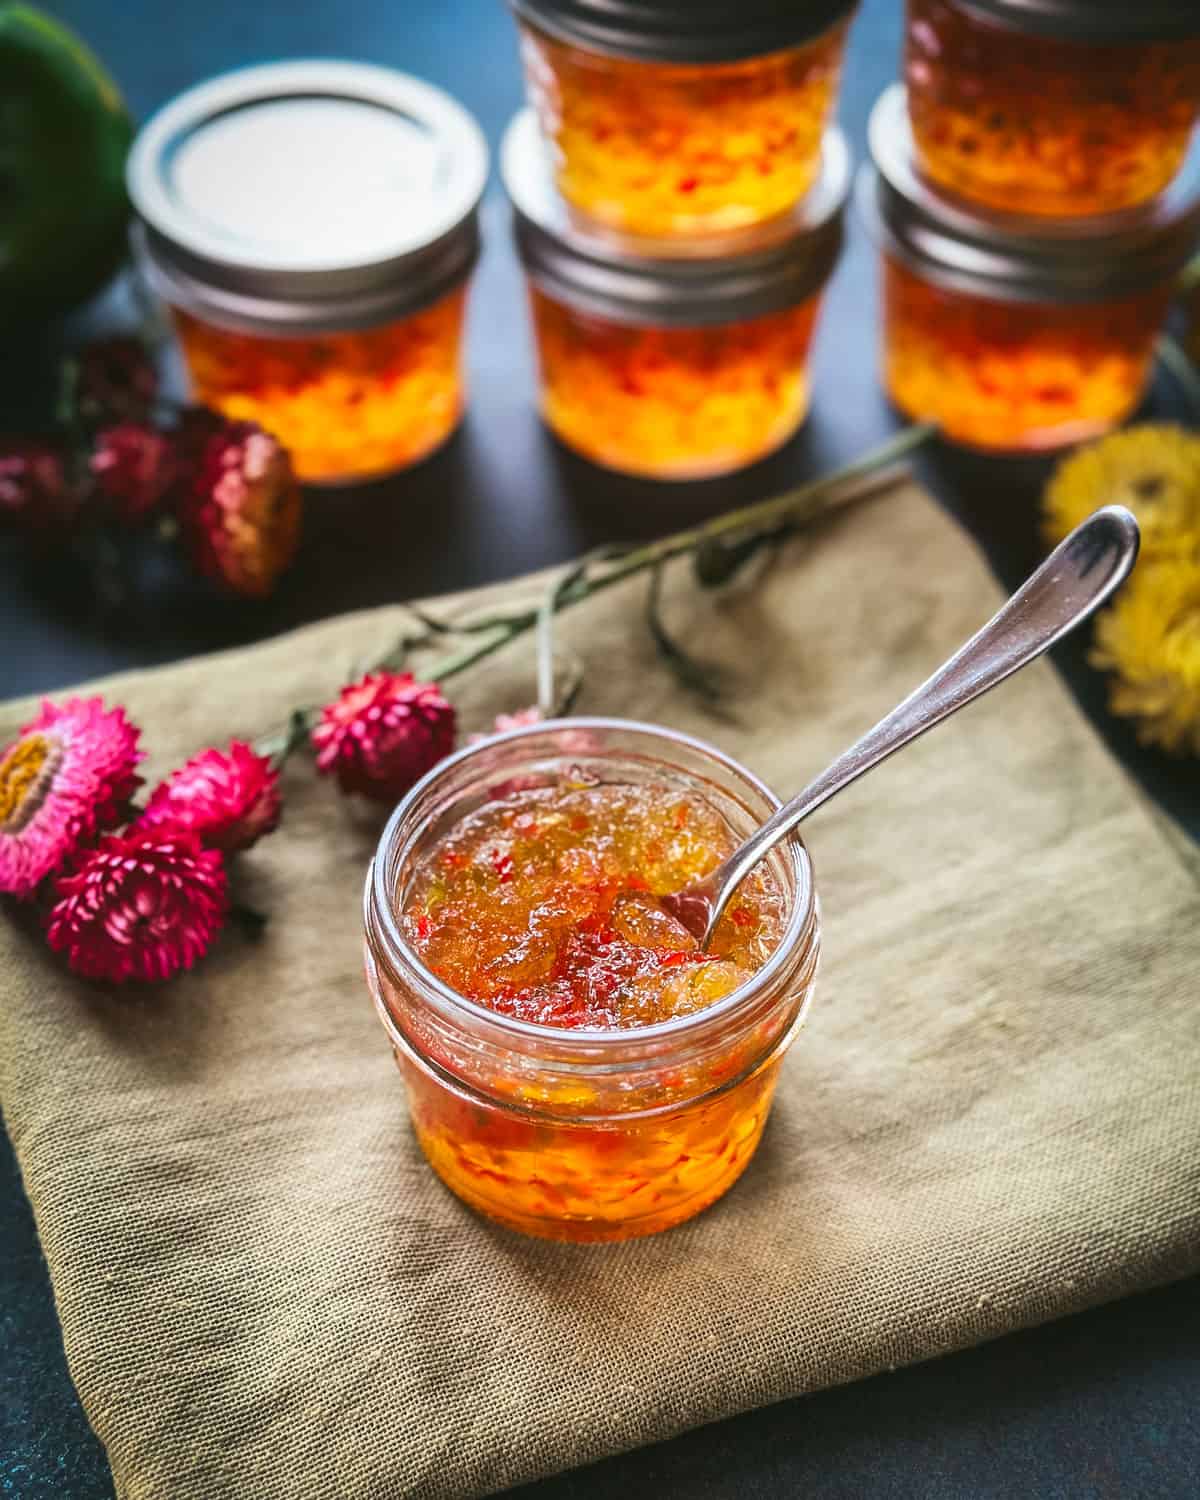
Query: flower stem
point(278, 745)
point(607, 566)
point(801, 504)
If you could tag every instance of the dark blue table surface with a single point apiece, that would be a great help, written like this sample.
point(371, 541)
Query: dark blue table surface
point(1100, 1405)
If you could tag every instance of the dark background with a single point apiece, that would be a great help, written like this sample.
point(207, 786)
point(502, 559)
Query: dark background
point(1101, 1405)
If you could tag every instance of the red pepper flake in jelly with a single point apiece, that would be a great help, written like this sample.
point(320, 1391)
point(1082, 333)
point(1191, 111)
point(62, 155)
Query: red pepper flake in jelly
point(542, 906)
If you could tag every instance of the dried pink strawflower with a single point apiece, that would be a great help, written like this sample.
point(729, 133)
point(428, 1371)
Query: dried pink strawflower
point(140, 906)
point(34, 493)
point(383, 733)
point(68, 775)
point(240, 516)
point(135, 466)
point(228, 799)
point(504, 722)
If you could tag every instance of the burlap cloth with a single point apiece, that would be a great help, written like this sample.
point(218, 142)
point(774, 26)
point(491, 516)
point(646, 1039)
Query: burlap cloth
point(992, 1119)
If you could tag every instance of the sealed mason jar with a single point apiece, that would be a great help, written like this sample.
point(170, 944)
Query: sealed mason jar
point(665, 361)
point(1057, 107)
point(1011, 333)
point(683, 116)
point(312, 227)
point(586, 1134)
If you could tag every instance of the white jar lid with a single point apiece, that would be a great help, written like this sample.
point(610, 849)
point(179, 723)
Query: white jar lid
point(307, 195)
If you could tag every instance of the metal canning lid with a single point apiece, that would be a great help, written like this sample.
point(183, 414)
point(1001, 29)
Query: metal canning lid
point(684, 31)
point(1014, 258)
point(678, 283)
point(307, 197)
point(1094, 20)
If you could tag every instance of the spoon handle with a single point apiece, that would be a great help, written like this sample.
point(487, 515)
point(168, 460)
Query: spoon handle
point(1077, 577)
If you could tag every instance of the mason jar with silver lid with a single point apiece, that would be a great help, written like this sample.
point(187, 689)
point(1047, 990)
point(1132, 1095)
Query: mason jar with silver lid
point(658, 358)
point(1054, 107)
point(312, 227)
point(683, 117)
point(1015, 333)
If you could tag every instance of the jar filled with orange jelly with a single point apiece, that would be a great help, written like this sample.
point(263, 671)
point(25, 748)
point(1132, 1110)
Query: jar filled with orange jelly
point(683, 116)
point(312, 227)
point(576, 1068)
point(1056, 107)
point(1013, 333)
point(672, 359)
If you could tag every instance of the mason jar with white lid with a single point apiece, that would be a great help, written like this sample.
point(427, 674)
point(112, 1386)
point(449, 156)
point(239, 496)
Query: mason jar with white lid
point(312, 226)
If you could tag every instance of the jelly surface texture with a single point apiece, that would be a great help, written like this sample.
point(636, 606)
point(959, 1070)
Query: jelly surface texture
point(673, 403)
point(1015, 376)
point(542, 906)
point(346, 405)
point(1045, 126)
point(662, 149)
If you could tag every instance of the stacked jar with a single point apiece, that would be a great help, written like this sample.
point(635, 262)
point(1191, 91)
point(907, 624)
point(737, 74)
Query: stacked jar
point(1034, 198)
point(678, 196)
point(312, 228)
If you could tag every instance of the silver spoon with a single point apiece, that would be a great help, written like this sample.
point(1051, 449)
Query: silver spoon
point(1077, 577)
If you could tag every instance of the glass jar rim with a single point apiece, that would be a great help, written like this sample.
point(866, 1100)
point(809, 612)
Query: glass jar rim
point(660, 281)
point(202, 251)
point(1097, 21)
point(1016, 257)
point(684, 31)
point(614, 1048)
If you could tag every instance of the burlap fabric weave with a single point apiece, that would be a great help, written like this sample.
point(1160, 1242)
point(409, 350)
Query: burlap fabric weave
point(992, 1119)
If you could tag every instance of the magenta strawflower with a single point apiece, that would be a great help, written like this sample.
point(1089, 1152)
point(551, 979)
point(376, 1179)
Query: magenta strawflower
point(241, 514)
point(228, 799)
point(502, 723)
point(34, 493)
point(134, 466)
point(383, 733)
point(141, 905)
point(68, 775)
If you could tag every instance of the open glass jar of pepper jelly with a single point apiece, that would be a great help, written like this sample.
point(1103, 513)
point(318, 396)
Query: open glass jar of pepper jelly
point(312, 227)
point(1015, 333)
point(664, 358)
point(683, 116)
point(1057, 107)
point(576, 1069)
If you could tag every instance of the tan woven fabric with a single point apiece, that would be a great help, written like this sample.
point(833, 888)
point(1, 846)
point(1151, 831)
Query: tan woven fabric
point(992, 1118)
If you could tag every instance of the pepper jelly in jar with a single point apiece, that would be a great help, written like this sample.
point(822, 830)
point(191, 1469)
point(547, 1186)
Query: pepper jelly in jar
point(576, 1068)
point(683, 117)
point(665, 360)
point(1011, 333)
point(312, 227)
point(1056, 107)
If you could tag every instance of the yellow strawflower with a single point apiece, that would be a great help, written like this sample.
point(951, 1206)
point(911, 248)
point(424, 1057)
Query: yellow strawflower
point(1154, 469)
point(1151, 639)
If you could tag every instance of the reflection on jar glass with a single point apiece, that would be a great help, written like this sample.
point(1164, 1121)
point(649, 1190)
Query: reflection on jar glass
point(1012, 334)
point(659, 360)
point(1039, 123)
point(586, 1134)
point(1016, 376)
point(667, 148)
point(347, 405)
point(673, 403)
point(312, 228)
